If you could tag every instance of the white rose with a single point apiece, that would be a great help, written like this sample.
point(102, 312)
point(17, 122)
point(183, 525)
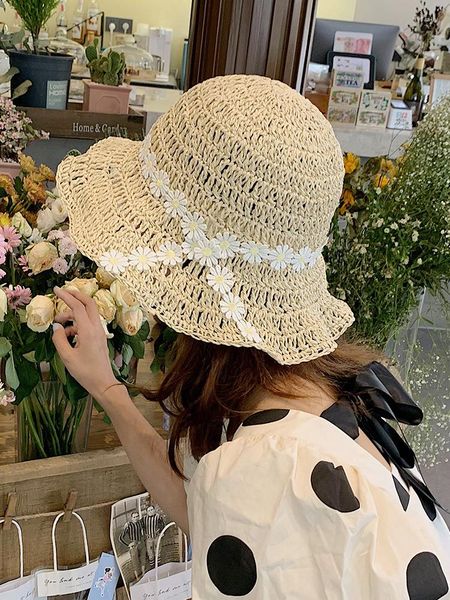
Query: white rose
point(86, 286)
point(41, 256)
point(45, 220)
point(123, 297)
point(40, 313)
point(104, 278)
point(21, 224)
point(130, 320)
point(3, 305)
point(106, 305)
point(58, 211)
point(61, 307)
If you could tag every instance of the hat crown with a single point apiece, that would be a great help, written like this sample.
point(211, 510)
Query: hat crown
point(254, 157)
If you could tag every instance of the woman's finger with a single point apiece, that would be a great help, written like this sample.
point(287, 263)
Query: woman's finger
point(86, 301)
point(61, 342)
point(77, 308)
point(65, 317)
point(71, 331)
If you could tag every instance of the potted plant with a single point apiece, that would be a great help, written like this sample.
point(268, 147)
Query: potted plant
point(48, 72)
point(106, 92)
point(36, 254)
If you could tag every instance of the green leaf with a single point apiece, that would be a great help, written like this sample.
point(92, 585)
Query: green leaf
point(127, 354)
point(74, 390)
point(12, 378)
point(21, 89)
point(30, 356)
point(144, 331)
point(136, 344)
point(6, 77)
point(59, 368)
point(5, 347)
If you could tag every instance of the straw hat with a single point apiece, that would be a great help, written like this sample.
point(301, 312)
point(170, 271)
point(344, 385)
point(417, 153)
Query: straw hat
point(217, 221)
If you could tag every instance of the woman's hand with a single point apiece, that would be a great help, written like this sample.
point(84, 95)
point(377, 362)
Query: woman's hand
point(88, 362)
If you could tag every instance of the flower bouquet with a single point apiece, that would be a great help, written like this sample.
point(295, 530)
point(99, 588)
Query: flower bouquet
point(37, 254)
point(16, 131)
point(391, 235)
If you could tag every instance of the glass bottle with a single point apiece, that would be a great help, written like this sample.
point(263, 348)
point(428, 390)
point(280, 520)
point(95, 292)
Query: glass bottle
point(78, 29)
point(414, 92)
point(61, 21)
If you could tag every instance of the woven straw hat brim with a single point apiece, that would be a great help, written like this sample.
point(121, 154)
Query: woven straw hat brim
point(110, 207)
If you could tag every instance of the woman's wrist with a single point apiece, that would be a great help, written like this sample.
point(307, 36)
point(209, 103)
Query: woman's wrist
point(109, 393)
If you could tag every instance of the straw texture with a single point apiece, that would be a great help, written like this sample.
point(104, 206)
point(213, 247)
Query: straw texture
point(218, 218)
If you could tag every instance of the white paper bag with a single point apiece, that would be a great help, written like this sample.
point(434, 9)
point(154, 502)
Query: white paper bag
point(171, 581)
point(23, 588)
point(55, 582)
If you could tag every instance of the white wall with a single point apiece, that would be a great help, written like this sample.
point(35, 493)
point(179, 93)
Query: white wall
point(344, 10)
point(390, 12)
point(173, 14)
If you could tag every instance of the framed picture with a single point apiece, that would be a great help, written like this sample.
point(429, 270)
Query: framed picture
point(348, 79)
point(374, 108)
point(440, 87)
point(342, 61)
point(344, 97)
point(351, 41)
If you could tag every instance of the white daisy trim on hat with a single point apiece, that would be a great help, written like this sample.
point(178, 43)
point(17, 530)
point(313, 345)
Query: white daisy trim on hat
point(197, 246)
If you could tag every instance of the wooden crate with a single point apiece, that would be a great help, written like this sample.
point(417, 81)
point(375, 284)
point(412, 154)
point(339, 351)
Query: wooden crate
point(42, 486)
point(75, 123)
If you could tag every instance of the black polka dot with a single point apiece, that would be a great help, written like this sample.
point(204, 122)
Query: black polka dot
point(403, 494)
point(231, 566)
point(343, 417)
point(428, 506)
point(425, 578)
point(332, 487)
point(266, 416)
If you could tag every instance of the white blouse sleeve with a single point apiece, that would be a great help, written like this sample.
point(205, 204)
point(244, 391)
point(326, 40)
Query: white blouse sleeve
point(271, 519)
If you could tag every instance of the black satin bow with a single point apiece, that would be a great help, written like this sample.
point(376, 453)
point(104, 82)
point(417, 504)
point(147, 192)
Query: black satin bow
point(385, 398)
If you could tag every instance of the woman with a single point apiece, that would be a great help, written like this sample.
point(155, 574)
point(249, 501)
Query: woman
point(216, 222)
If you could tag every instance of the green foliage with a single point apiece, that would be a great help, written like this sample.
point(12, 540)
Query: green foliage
point(395, 241)
point(164, 344)
point(34, 14)
point(107, 70)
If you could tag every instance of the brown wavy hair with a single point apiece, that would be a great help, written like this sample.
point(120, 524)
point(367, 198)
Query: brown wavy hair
point(208, 388)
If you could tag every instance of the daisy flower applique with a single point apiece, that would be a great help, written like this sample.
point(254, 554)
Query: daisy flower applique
point(253, 253)
point(233, 307)
point(175, 203)
point(220, 279)
point(301, 259)
point(159, 183)
point(228, 244)
point(170, 253)
point(249, 331)
point(207, 252)
point(148, 163)
point(143, 259)
point(114, 262)
point(280, 257)
point(193, 226)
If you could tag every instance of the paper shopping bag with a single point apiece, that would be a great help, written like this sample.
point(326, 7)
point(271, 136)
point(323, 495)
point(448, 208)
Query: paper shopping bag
point(172, 581)
point(22, 588)
point(55, 582)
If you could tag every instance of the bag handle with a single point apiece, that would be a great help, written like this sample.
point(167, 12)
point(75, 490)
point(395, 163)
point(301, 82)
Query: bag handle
point(83, 529)
point(173, 524)
point(20, 536)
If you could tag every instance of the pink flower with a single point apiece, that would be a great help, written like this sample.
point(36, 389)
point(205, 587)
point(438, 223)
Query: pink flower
point(55, 234)
point(2, 255)
point(11, 239)
point(60, 266)
point(18, 297)
point(23, 263)
point(2, 273)
point(67, 246)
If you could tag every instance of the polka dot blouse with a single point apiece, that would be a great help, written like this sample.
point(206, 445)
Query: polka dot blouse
point(294, 508)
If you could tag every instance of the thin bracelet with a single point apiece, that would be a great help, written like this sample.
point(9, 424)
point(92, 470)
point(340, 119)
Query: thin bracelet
point(113, 385)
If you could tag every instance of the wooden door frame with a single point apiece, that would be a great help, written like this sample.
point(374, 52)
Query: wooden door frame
point(265, 37)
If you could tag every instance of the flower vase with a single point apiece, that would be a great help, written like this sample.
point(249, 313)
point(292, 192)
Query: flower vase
point(49, 424)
